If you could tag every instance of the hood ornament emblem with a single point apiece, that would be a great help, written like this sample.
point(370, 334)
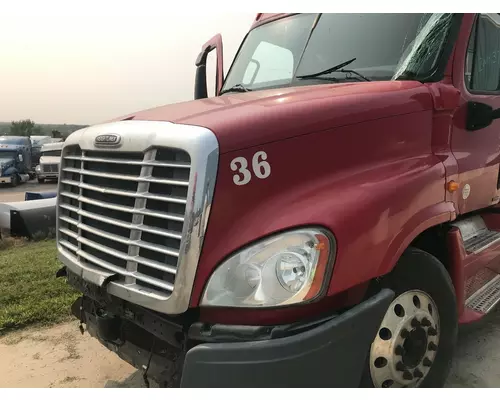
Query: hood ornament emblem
point(109, 139)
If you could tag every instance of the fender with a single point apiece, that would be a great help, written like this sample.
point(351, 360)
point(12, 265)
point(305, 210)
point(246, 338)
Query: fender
point(423, 220)
point(374, 198)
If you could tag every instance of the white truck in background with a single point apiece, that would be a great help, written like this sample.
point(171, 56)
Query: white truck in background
point(50, 157)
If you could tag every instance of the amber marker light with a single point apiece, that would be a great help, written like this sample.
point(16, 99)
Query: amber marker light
point(453, 186)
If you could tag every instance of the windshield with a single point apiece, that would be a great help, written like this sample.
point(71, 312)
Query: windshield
point(51, 153)
point(14, 141)
point(7, 155)
point(379, 46)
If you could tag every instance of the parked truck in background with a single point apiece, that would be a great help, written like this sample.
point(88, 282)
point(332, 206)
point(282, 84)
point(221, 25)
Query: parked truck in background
point(329, 218)
point(15, 159)
point(50, 157)
point(37, 142)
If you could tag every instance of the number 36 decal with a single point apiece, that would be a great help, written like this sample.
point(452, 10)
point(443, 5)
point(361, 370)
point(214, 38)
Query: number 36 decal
point(260, 167)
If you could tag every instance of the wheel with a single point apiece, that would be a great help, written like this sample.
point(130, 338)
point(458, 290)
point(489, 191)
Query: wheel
point(41, 180)
point(15, 180)
point(416, 339)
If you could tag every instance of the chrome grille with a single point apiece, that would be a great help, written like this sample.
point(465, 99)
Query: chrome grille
point(50, 168)
point(123, 212)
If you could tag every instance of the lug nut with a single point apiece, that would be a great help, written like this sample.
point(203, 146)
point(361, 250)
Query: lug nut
point(426, 362)
point(415, 323)
point(400, 366)
point(407, 376)
point(432, 346)
point(404, 333)
point(426, 322)
point(417, 373)
point(432, 331)
point(399, 350)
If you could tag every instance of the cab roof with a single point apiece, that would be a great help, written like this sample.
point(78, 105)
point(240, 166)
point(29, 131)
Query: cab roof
point(262, 18)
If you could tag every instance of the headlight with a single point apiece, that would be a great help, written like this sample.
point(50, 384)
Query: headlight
point(38, 168)
point(284, 269)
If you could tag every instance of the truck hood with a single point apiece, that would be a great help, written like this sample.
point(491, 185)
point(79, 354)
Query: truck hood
point(243, 120)
point(50, 160)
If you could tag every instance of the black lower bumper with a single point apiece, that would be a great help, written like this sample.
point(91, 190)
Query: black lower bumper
point(332, 353)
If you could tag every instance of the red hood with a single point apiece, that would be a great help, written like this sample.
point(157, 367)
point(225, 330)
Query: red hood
point(249, 119)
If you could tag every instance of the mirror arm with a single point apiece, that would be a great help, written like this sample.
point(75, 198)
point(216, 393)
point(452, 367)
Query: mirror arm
point(200, 84)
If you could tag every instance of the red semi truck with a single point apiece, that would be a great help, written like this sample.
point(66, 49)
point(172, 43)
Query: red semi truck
point(328, 218)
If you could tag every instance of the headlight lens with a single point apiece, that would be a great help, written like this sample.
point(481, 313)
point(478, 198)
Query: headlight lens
point(284, 269)
point(38, 168)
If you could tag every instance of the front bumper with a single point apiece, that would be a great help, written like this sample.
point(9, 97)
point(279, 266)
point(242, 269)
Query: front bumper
point(330, 352)
point(47, 175)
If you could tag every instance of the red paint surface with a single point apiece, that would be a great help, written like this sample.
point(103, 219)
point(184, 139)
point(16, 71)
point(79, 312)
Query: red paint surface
point(469, 316)
point(456, 254)
point(478, 152)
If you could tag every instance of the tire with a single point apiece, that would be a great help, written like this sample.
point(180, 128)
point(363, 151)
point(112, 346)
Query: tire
point(15, 180)
point(41, 180)
point(422, 276)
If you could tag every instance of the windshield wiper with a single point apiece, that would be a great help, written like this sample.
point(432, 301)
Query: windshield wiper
point(239, 88)
point(351, 71)
point(339, 68)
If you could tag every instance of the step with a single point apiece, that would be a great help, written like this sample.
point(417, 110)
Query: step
point(487, 297)
point(475, 234)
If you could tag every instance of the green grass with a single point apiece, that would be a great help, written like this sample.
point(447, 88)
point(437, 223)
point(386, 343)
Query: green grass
point(29, 291)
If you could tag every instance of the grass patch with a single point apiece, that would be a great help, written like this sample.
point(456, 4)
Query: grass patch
point(29, 291)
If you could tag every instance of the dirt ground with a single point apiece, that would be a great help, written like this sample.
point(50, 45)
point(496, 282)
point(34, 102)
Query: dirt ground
point(61, 357)
point(58, 357)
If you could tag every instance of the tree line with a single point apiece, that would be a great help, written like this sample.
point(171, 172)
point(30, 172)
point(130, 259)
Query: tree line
point(28, 127)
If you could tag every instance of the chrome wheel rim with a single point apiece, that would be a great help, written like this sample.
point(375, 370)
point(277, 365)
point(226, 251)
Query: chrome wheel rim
point(406, 343)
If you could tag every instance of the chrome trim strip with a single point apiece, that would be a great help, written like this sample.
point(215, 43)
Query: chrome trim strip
point(202, 146)
point(152, 163)
point(127, 177)
point(126, 193)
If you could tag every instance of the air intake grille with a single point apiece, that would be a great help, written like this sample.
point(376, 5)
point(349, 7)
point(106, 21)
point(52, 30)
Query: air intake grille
point(50, 168)
point(123, 212)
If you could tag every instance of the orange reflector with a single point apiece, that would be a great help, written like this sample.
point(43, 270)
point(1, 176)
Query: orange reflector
point(320, 246)
point(453, 186)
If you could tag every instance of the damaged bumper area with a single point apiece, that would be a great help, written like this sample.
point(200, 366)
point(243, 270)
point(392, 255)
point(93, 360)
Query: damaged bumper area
point(327, 352)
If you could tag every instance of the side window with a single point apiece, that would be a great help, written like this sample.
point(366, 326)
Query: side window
point(482, 69)
point(269, 63)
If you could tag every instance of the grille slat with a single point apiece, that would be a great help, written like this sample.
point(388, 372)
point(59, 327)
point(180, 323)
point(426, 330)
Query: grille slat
point(124, 212)
point(140, 243)
point(131, 162)
point(132, 210)
point(50, 167)
point(145, 228)
point(126, 177)
point(137, 275)
point(125, 193)
point(125, 257)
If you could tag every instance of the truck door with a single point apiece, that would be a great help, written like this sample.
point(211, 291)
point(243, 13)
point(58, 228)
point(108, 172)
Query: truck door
point(476, 73)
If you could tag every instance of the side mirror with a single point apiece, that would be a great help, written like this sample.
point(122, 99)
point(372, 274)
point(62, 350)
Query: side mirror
point(480, 115)
point(200, 82)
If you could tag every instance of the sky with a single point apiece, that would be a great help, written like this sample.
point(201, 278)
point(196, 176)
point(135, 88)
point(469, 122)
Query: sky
point(88, 68)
